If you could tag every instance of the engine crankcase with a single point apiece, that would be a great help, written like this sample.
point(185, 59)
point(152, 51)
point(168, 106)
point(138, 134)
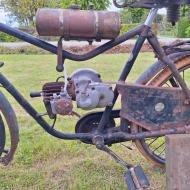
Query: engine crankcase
point(91, 92)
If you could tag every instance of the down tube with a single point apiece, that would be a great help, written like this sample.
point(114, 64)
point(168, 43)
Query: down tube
point(32, 112)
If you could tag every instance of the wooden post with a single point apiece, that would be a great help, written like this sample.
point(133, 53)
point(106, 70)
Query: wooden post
point(178, 162)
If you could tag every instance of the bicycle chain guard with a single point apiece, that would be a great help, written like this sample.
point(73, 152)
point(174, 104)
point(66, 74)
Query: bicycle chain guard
point(154, 108)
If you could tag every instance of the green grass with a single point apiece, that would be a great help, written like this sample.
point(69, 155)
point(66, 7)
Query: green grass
point(44, 162)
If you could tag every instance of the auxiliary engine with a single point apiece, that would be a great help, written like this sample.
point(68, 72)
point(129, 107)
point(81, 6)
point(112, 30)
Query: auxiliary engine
point(84, 86)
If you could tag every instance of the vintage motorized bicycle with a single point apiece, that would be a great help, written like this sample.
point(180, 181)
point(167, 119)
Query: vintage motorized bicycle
point(157, 105)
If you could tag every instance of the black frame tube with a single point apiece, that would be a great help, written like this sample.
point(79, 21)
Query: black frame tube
point(115, 137)
point(67, 55)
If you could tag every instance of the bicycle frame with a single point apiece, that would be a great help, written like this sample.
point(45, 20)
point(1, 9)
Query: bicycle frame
point(144, 32)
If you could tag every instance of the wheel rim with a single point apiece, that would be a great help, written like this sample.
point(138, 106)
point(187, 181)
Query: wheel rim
point(154, 148)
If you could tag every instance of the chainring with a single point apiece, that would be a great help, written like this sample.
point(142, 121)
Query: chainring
point(89, 123)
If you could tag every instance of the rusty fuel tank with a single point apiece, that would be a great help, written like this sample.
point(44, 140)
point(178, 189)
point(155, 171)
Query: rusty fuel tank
point(78, 24)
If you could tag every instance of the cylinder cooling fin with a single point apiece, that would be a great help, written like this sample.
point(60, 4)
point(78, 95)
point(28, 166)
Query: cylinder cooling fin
point(173, 14)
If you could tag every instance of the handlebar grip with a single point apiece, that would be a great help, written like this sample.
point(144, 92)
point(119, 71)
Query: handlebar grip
point(35, 94)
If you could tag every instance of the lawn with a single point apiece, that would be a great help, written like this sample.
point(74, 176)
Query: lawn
point(44, 162)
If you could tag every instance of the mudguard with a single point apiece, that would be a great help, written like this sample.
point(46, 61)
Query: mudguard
point(154, 69)
point(2, 136)
point(11, 120)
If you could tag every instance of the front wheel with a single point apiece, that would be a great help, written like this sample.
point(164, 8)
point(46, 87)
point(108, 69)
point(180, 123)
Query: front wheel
point(154, 148)
point(2, 136)
point(11, 122)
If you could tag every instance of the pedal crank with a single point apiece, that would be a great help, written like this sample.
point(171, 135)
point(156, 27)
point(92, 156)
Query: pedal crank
point(135, 177)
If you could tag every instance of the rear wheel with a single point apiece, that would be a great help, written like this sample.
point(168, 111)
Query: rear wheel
point(154, 148)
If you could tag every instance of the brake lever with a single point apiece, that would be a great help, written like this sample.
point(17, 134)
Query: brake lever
point(125, 4)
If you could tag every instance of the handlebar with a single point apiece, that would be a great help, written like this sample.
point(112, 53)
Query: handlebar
point(149, 3)
point(118, 5)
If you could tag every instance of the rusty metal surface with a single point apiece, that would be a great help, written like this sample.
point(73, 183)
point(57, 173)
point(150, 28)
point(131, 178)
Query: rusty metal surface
point(154, 108)
point(55, 88)
point(78, 24)
point(153, 40)
point(64, 106)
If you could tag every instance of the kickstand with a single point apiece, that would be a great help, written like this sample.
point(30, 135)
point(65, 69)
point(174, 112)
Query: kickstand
point(135, 177)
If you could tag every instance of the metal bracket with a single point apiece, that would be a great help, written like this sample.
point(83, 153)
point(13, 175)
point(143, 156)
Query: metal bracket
point(152, 39)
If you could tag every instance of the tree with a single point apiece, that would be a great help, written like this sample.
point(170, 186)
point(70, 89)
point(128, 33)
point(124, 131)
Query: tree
point(25, 10)
point(131, 15)
point(99, 4)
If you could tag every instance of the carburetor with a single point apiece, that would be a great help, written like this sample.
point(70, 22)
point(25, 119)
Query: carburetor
point(90, 92)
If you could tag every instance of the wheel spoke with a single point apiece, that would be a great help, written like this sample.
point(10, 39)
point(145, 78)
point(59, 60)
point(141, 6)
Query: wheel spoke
point(162, 152)
point(168, 85)
point(158, 147)
point(173, 83)
point(152, 142)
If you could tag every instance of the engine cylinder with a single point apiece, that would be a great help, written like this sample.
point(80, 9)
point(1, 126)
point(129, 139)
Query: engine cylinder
point(78, 24)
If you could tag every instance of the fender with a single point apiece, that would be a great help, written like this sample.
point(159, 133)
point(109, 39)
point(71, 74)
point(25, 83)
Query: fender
point(11, 120)
point(2, 136)
point(154, 69)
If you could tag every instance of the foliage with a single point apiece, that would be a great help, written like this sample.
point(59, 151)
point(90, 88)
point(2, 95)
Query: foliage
point(100, 4)
point(7, 38)
point(25, 10)
point(131, 15)
point(166, 29)
point(127, 27)
point(187, 32)
point(183, 26)
point(159, 18)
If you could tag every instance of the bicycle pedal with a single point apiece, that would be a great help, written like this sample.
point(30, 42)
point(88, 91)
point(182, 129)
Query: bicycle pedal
point(136, 179)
